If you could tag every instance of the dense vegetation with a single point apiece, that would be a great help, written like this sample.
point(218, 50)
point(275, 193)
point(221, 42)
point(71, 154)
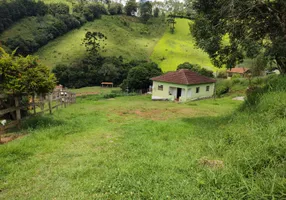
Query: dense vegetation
point(24, 75)
point(92, 70)
point(54, 21)
point(12, 11)
point(252, 27)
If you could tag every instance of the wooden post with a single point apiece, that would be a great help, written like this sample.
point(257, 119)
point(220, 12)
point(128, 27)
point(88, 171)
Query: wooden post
point(65, 99)
point(18, 111)
point(58, 99)
point(42, 103)
point(50, 102)
point(33, 102)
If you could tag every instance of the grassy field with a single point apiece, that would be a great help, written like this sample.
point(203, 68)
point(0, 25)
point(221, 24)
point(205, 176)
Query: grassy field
point(134, 148)
point(126, 37)
point(177, 48)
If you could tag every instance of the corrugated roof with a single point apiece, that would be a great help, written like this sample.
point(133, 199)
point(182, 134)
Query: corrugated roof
point(239, 70)
point(183, 77)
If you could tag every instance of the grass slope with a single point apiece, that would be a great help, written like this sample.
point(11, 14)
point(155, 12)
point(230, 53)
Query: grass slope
point(134, 148)
point(126, 37)
point(177, 48)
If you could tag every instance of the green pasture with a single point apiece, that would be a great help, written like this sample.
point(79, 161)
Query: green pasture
point(126, 37)
point(133, 148)
point(177, 48)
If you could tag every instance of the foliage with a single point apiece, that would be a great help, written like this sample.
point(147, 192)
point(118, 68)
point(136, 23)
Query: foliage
point(93, 70)
point(196, 68)
point(146, 11)
point(139, 77)
point(55, 22)
point(12, 11)
point(171, 22)
point(93, 42)
point(271, 84)
point(221, 73)
point(68, 49)
point(115, 8)
point(252, 28)
point(58, 9)
point(131, 7)
point(40, 31)
point(156, 12)
point(259, 65)
point(24, 75)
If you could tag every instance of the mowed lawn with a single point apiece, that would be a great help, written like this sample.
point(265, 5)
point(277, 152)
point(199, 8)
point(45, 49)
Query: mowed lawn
point(126, 37)
point(134, 148)
point(177, 48)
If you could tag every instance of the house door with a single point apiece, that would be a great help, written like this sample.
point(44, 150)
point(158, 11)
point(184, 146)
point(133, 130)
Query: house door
point(179, 92)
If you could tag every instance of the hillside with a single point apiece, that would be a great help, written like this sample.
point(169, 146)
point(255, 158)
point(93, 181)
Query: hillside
point(130, 147)
point(126, 37)
point(177, 48)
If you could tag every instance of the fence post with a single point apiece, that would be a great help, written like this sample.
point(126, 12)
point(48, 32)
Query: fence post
point(18, 111)
point(50, 102)
point(33, 102)
point(42, 103)
point(65, 100)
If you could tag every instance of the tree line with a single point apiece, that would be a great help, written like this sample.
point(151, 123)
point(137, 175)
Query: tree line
point(13, 11)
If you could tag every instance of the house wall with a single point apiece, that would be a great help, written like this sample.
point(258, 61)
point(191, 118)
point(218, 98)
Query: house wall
point(169, 91)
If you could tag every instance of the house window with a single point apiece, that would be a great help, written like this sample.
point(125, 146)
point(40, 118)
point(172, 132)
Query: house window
point(160, 87)
point(208, 88)
point(197, 89)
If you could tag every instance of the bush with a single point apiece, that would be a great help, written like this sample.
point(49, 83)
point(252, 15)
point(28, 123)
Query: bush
point(222, 87)
point(221, 74)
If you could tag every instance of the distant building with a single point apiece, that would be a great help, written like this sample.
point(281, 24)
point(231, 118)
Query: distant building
point(182, 85)
point(238, 70)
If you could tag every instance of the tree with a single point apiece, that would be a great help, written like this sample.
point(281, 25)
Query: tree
point(196, 68)
point(146, 11)
point(171, 22)
point(131, 7)
point(139, 77)
point(92, 42)
point(156, 12)
point(253, 27)
point(24, 75)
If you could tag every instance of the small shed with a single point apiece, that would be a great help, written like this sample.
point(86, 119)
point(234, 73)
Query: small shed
point(107, 84)
point(182, 85)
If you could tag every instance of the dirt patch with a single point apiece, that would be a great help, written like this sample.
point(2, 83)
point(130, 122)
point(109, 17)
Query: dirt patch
point(6, 139)
point(86, 93)
point(216, 164)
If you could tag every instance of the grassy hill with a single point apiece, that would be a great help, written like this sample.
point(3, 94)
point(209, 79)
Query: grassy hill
point(134, 148)
point(127, 37)
point(177, 48)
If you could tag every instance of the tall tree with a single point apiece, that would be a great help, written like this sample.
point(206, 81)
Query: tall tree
point(131, 7)
point(156, 12)
point(146, 11)
point(251, 27)
point(93, 42)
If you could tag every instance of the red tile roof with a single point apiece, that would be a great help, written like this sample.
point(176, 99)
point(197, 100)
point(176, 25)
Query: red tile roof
point(183, 77)
point(240, 70)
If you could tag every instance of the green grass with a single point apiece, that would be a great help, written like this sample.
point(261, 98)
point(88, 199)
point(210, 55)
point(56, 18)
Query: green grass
point(177, 48)
point(135, 148)
point(124, 39)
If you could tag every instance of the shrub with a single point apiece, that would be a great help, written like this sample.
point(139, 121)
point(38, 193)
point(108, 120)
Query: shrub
point(222, 87)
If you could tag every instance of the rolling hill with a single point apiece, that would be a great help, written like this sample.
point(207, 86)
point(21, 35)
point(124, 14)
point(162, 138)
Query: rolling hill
point(126, 37)
point(177, 48)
